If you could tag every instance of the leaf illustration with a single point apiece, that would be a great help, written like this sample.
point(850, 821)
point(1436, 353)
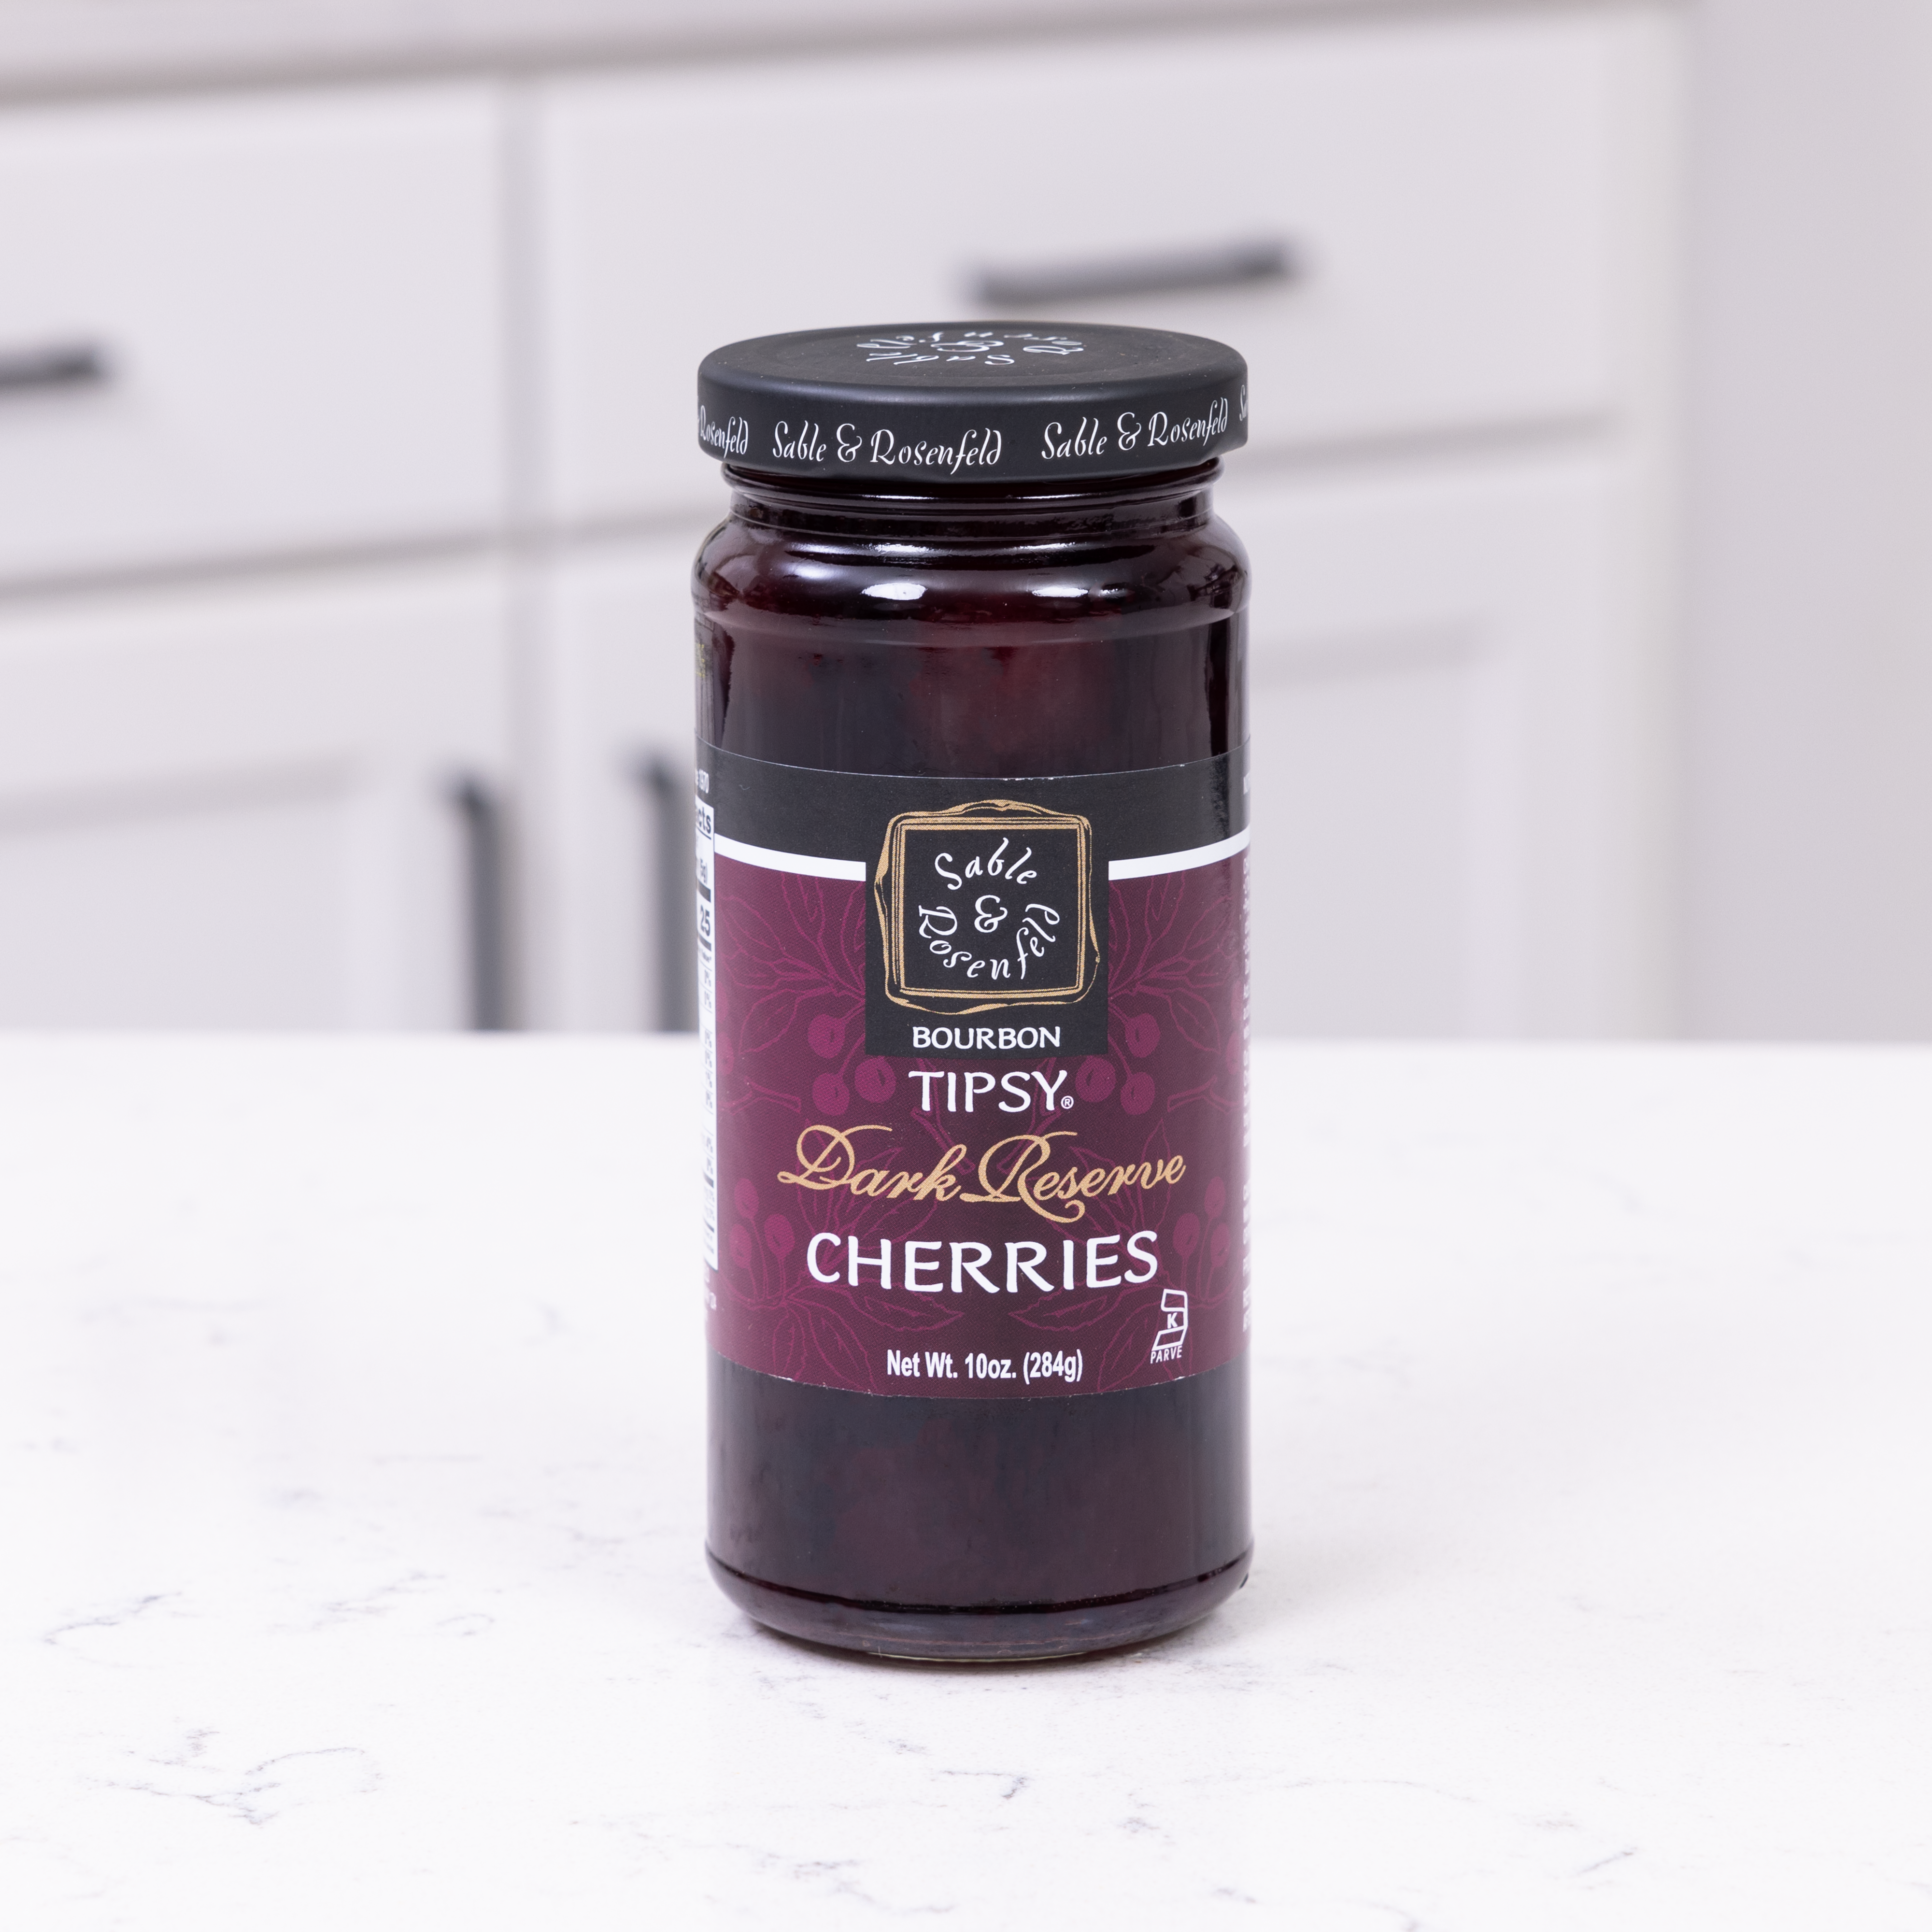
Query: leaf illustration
point(769, 1021)
point(894, 1314)
point(913, 1317)
point(788, 1342)
point(839, 1349)
point(1196, 1019)
point(1066, 1318)
point(1123, 1357)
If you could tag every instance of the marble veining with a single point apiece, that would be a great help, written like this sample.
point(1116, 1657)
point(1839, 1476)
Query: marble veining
point(350, 1478)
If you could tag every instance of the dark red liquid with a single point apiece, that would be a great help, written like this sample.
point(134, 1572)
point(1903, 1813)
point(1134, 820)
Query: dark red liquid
point(1100, 630)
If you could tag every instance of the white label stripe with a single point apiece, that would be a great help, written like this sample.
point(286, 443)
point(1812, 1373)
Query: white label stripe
point(1157, 863)
point(806, 866)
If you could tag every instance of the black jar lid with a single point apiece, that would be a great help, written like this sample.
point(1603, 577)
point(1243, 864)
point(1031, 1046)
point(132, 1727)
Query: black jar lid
point(972, 402)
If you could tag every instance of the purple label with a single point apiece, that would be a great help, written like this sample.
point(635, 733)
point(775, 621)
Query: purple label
point(999, 1221)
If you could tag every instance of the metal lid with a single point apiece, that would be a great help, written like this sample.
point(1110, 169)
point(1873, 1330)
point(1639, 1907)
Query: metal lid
point(972, 402)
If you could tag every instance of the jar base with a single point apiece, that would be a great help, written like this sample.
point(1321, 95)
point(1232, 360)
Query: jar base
point(1032, 1633)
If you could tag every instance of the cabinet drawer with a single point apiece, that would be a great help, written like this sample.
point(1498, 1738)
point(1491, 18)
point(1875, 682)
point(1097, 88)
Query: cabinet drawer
point(1447, 192)
point(245, 807)
point(290, 304)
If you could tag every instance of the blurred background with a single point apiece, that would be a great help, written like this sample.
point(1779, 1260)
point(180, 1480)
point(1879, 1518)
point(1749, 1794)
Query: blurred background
point(348, 485)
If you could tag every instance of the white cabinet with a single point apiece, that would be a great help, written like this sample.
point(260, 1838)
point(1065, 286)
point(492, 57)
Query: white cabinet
point(611, 885)
point(1449, 192)
point(266, 808)
point(1453, 727)
point(1456, 495)
point(258, 348)
point(235, 326)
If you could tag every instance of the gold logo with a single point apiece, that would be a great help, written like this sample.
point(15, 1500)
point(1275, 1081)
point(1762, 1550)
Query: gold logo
point(987, 905)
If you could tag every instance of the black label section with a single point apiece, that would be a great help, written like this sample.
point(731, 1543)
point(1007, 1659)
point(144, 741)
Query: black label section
point(985, 900)
point(844, 815)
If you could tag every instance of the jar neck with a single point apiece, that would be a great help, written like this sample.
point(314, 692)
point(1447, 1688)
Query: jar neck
point(968, 514)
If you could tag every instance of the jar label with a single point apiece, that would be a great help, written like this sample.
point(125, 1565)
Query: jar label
point(976, 1075)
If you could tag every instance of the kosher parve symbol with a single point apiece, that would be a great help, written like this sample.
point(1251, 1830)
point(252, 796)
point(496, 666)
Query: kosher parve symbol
point(987, 905)
point(995, 349)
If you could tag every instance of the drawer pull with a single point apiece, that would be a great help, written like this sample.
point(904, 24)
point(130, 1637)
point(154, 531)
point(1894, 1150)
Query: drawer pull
point(1233, 265)
point(667, 794)
point(41, 367)
point(486, 882)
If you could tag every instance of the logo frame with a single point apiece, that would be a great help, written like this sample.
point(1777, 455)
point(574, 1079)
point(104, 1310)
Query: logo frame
point(992, 814)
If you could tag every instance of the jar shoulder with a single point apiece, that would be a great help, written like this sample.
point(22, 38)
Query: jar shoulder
point(744, 568)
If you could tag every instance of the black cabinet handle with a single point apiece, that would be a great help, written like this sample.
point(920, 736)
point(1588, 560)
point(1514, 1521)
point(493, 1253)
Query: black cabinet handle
point(1227, 266)
point(486, 880)
point(41, 367)
point(666, 790)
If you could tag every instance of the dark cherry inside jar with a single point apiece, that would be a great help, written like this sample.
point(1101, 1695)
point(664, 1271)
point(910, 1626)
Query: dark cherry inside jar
point(1031, 1459)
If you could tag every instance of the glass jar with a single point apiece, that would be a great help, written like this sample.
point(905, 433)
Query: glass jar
point(972, 980)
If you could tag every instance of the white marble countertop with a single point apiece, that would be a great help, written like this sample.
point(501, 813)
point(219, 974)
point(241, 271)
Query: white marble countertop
point(62, 45)
point(350, 1521)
